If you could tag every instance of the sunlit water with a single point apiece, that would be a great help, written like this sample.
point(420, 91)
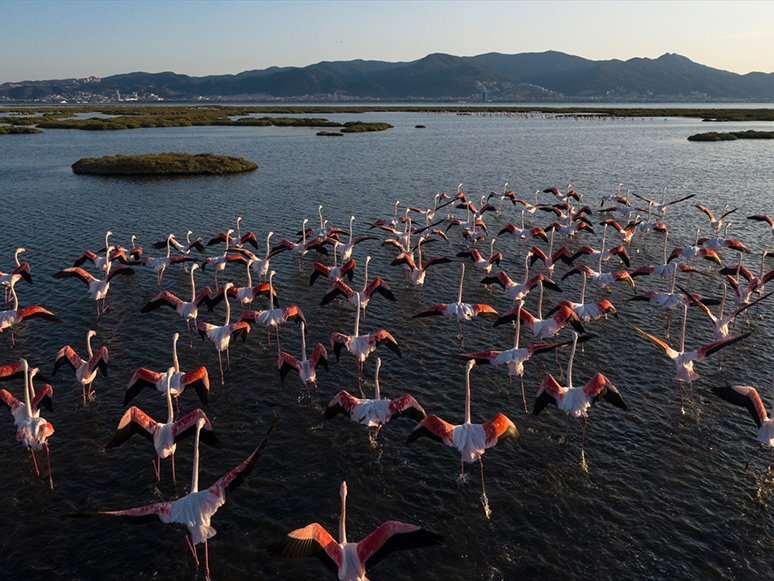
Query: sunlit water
point(664, 496)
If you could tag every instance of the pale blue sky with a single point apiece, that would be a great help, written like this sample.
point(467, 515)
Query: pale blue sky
point(61, 39)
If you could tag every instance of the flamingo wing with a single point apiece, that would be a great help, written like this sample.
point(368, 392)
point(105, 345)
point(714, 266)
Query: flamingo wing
point(671, 353)
point(404, 258)
point(406, 405)
point(199, 379)
point(702, 352)
point(318, 270)
point(121, 269)
point(338, 342)
point(482, 356)
point(293, 313)
point(76, 272)
point(500, 278)
point(86, 255)
point(286, 362)
point(484, 310)
point(342, 403)
point(432, 311)
point(510, 315)
point(600, 388)
point(11, 371)
point(379, 286)
point(36, 312)
point(435, 428)
point(43, 397)
point(9, 400)
point(548, 392)
point(160, 300)
point(383, 337)
point(134, 421)
point(204, 296)
point(319, 357)
point(67, 356)
point(746, 397)
point(228, 483)
point(499, 428)
point(338, 288)
point(99, 360)
point(393, 536)
point(762, 218)
point(23, 270)
point(141, 379)
point(186, 426)
point(311, 541)
point(147, 513)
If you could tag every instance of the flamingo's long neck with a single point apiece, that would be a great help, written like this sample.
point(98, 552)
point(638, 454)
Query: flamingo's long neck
point(666, 239)
point(572, 356)
point(682, 332)
point(15, 298)
point(518, 325)
point(27, 404)
point(193, 285)
point(467, 392)
point(343, 519)
point(696, 242)
point(88, 346)
point(303, 233)
point(268, 250)
point(170, 409)
point(249, 276)
point(602, 250)
point(462, 280)
point(16, 256)
point(365, 273)
point(419, 254)
point(303, 341)
point(352, 219)
point(228, 306)
point(723, 301)
point(491, 248)
point(583, 290)
point(551, 244)
point(169, 245)
point(238, 233)
point(195, 477)
point(357, 318)
point(377, 393)
point(175, 361)
point(526, 268)
point(540, 301)
point(319, 212)
point(271, 291)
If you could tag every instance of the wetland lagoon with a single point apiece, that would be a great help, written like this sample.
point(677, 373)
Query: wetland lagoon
point(665, 496)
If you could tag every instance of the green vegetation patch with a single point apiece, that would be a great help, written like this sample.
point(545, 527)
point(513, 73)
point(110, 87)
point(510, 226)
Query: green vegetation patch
point(163, 164)
point(13, 130)
point(361, 127)
point(330, 134)
point(732, 135)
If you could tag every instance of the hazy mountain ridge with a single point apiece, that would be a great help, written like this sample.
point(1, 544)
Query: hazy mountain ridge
point(546, 76)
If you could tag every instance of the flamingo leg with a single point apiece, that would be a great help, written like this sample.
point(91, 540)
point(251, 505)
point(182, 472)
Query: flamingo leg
point(48, 462)
point(206, 561)
point(192, 548)
point(157, 467)
point(276, 330)
point(583, 440)
point(771, 457)
point(174, 479)
point(220, 362)
point(484, 499)
point(523, 396)
point(746, 466)
point(566, 428)
point(34, 462)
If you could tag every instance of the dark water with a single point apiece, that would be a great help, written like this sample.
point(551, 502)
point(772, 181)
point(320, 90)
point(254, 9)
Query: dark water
point(665, 495)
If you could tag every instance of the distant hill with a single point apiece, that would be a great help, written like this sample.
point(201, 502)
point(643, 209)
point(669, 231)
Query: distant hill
point(546, 77)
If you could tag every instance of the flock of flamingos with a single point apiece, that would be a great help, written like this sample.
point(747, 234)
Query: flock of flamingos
point(564, 218)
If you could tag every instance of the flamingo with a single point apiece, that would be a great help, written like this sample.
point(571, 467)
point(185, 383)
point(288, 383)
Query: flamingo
point(470, 439)
point(31, 430)
point(246, 294)
point(602, 279)
point(506, 193)
point(517, 291)
point(662, 207)
point(747, 396)
point(542, 328)
point(391, 221)
point(616, 198)
point(576, 400)
point(302, 247)
point(102, 263)
point(483, 264)
point(459, 310)
point(186, 248)
point(14, 316)
point(375, 412)
point(219, 262)
point(586, 312)
point(666, 269)
point(763, 218)
point(324, 231)
point(514, 358)
point(306, 368)
point(716, 223)
point(159, 265)
point(334, 273)
point(273, 317)
point(21, 270)
point(198, 379)
point(603, 255)
point(164, 436)
point(418, 269)
point(720, 323)
point(261, 266)
point(551, 258)
point(716, 243)
point(221, 335)
point(345, 250)
point(531, 208)
point(188, 310)
point(626, 234)
point(683, 359)
point(237, 241)
point(195, 509)
point(693, 252)
point(362, 297)
point(361, 346)
point(351, 561)
point(85, 370)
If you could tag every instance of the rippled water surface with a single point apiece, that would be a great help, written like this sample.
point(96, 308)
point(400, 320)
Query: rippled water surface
point(665, 496)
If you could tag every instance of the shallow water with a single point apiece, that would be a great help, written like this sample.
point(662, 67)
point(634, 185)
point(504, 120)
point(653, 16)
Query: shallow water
point(665, 495)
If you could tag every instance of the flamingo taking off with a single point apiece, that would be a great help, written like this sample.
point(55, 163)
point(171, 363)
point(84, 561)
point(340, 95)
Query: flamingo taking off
point(195, 509)
point(85, 370)
point(470, 439)
point(31, 430)
point(164, 435)
point(306, 368)
point(14, 316)
point(576, 400)
point(351, 561)
point(375, 412)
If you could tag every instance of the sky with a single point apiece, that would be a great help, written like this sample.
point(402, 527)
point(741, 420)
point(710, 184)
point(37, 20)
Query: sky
point(63, 39)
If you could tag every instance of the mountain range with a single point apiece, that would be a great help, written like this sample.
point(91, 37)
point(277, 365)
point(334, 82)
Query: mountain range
point(527, 77)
